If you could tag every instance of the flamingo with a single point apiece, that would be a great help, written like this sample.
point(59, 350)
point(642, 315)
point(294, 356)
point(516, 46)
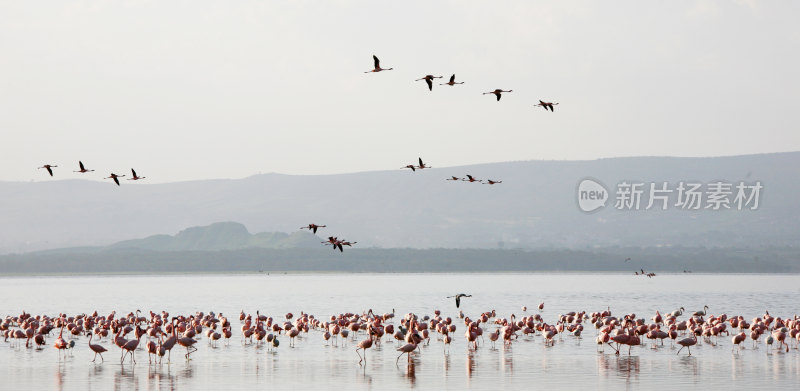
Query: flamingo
point(546, 105)
point(687, 343)
point(406, 349)
point(429, 79)
point(452, 81)
point(187, 343)
point(701, 313)
point(82, 170)
point(364, 345)
point(453, 178)
point(378, 66)
point(422, 165)
point(114, 177)
point(135, 177)
point(97, 349)
point(471, 179)
point(411, 166)
point(498, 92)
point(130, 347)
point(458, 298)
point(491, 182)
point(60, 343)
point(49, 168)
point(313, 227)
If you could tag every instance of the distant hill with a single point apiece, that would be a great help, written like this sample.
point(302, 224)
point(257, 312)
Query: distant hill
point(534, 208)
point(220, 236)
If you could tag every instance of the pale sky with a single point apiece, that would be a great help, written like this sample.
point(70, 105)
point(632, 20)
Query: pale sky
point(185, 90)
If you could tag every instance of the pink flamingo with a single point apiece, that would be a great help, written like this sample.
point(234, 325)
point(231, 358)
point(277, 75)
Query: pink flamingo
point(364, 345)
point(429, 79)
point(546, 105)
point(452, 81)
point(114, 177)
point(406, 349)
point(83, 170)
point(498, 92)
point(97, 349)
point(378, 65)
point(135, 177)
point(49, 168)
point(687, 343)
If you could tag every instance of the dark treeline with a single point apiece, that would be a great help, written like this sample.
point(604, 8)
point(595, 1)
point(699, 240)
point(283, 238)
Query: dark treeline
point(713, 260)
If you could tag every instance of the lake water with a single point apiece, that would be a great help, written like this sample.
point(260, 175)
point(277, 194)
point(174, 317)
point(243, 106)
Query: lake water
point(311, 364)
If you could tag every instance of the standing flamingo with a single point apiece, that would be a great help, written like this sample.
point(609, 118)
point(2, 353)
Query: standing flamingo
point(498, 92)
point(452, 81)
point(130, 347)
point(378, 66)
point(364, 345)
point(687, 343)
point(406, 349)
point(60, 343)
point(97, 349)
point(49, 168)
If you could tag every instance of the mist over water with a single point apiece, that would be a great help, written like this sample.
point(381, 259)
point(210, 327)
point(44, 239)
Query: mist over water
point(572, 362)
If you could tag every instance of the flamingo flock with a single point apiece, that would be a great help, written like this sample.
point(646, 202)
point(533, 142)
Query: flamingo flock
point(157, 333)
point(83, 170)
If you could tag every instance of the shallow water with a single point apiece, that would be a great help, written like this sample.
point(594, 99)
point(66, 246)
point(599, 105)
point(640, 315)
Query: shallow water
point(311, 364)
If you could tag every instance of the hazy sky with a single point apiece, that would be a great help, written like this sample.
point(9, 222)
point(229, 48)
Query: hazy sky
point(196, 89)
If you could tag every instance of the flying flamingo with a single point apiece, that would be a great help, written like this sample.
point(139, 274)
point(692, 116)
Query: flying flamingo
point(83, 170)
point(378, 66)
point(452, 81)
point(546, 105)
point(97, 349)
point(411, 166)
point(429, 79)
point(453, 178)
point(114, 177)
point(135, 177)
point(422, 165)
point(313, 227)
point(686, 343)
point(491, 182)
point(498, 92)
point(49, 168)
point(458, 298)
point(471, 179)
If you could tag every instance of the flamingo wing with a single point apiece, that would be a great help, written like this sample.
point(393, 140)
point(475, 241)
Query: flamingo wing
point(49, 170)
point(116, 180)
point(134, 173)
point(453, 78)
point(498, 96)
point(458, 301)
point(80, 163)
point(377, 62)
point(430, 84)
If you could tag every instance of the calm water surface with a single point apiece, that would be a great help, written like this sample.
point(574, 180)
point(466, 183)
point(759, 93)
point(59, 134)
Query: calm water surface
point(311, 364)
